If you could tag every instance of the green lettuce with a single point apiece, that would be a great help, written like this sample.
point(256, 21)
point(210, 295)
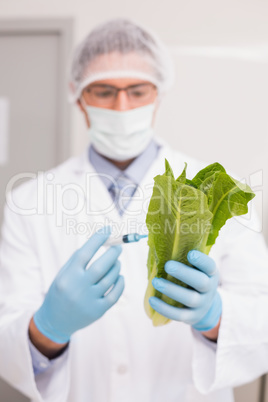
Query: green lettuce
point(188, 214)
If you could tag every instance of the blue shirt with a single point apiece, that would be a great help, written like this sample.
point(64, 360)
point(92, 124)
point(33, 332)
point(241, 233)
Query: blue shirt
point(134, 173)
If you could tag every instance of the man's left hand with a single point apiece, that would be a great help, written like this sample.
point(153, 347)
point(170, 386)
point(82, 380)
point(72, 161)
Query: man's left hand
point(203, 306)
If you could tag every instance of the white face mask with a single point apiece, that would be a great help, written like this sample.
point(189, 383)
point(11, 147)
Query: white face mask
point(120, 135)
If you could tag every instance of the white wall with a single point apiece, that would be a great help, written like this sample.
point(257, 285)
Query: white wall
point(218, 111)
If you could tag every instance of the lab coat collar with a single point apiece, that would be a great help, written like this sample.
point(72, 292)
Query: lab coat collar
point(99, 198)
point(82, 164)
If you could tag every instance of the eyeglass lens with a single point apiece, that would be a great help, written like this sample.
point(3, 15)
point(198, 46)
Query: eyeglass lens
point(106, 94)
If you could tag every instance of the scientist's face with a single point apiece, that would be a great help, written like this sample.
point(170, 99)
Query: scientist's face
point(119, 94)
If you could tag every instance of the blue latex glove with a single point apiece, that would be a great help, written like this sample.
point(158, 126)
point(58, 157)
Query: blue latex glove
point(76, 298)
point(203, 302)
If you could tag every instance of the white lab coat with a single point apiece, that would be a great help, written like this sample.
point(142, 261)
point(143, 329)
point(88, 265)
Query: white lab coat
point(122, 357)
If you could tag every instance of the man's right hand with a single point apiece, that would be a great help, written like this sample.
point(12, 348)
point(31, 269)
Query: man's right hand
point(76, 298)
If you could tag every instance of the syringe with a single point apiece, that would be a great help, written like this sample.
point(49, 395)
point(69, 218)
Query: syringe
point(127, 238)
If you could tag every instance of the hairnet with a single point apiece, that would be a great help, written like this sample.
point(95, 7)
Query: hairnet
point(116, 49)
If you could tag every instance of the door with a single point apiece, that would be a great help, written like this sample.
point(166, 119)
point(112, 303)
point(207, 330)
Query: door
point(32, 83)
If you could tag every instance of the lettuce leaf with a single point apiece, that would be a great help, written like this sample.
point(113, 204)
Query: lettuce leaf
point(188, 214)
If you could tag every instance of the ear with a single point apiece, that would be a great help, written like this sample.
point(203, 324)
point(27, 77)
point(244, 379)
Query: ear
point(157, 104)
point(158, 100)
point(83, 110)
point(79, 104)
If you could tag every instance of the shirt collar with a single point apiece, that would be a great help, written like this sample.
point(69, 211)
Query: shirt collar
point(134, 172)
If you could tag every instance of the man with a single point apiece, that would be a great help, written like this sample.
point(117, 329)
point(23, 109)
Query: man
point(72, 327)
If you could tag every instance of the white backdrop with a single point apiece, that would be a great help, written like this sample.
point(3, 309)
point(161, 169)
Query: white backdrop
point(218, 111)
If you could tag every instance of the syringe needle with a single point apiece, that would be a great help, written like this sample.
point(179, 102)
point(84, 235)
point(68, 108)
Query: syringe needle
point(127, 238)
